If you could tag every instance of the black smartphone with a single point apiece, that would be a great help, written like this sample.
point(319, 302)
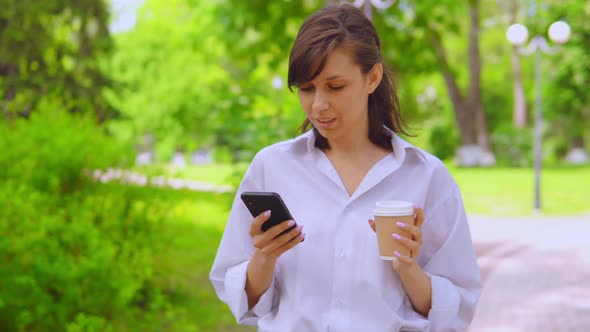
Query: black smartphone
point(258, 202)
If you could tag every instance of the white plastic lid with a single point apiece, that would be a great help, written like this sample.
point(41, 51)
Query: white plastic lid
point(393, 208)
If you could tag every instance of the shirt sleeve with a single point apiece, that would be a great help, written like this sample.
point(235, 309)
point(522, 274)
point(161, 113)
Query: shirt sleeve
point(228, 274)
point(454, 274)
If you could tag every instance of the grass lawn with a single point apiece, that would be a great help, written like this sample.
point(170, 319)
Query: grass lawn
point(190, 261)
point(486, 191)
point(195, 224)
point(510, 191)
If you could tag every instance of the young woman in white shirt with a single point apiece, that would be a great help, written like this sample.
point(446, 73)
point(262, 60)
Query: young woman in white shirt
point(330, 178)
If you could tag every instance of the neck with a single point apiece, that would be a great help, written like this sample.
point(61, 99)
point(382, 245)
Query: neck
point(349, 146)
point(353, 145)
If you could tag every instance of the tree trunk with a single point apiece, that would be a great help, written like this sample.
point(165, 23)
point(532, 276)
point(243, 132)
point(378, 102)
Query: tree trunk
point(483, 139)
point(466, 124)
point(474, 100)
point(463, 114)
point(469, 112)
point(8, 71)
point(577, 143)
point(519, 116)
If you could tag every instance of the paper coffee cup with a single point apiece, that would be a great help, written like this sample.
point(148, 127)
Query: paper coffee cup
point(387, 214)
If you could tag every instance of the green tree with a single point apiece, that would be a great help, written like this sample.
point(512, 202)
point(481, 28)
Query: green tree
point(198, 74)
point(566, 92)
point(169, 75)
point(259, 35)
point(50, 49)
point(230, 52)
point(444, 37)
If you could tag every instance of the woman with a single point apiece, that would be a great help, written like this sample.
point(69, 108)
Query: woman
point(330, 178)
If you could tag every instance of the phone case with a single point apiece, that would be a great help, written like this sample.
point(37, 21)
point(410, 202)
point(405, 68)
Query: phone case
point(258, 202)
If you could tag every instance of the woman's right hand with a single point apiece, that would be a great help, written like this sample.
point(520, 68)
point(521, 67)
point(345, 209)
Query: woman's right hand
point(269, 243)
point(269, 247)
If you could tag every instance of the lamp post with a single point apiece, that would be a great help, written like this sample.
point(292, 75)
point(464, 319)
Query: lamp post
point(379, 4)
point(517, 35)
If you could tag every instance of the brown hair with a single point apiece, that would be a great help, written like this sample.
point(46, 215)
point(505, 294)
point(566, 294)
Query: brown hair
point(346, 26)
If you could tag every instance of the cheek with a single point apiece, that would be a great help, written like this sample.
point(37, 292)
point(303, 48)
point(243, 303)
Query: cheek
point(306, 104)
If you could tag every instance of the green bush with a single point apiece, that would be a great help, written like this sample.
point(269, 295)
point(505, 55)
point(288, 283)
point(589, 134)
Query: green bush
point(50, 149)
point(75, 254)
point(513, 146)
point(443, 141)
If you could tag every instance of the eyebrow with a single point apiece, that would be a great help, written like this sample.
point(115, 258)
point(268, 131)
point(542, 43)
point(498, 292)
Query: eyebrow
point(334, 77)
point(331, 78)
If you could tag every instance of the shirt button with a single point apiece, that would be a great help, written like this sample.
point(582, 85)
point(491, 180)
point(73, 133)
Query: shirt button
point(341, 253)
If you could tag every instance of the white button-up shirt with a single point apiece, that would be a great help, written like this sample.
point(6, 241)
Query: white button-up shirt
point(335, 280)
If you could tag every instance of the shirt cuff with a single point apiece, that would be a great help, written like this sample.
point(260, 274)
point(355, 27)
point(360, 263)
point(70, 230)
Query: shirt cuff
point(237, 300)
point(445, 304)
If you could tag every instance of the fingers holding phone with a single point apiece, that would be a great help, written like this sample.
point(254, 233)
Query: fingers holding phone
point(277, 239)
point(273, 230)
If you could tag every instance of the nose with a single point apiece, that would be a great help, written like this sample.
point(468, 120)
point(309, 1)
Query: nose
point(320, 102)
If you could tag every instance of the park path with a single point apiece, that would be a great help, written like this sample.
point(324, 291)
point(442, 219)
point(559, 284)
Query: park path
point(536, 273)
point(124, 176)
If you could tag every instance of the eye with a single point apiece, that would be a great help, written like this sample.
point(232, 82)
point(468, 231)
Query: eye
point(339, 87)
point(306, 88)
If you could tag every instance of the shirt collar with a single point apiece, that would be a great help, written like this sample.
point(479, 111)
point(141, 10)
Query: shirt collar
point(399, 144)
point(310, 140)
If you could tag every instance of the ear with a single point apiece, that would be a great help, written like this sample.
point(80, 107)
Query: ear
point(374, 77)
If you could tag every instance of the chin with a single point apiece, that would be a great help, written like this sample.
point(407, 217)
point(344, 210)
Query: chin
point(331, 134)
point(326, 133)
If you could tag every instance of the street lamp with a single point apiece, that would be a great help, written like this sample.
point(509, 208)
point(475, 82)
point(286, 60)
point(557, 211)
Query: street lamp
point(379, 4)
point(517, 35)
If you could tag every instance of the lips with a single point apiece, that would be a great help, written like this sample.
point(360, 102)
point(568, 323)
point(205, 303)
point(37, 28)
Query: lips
point(325, 123)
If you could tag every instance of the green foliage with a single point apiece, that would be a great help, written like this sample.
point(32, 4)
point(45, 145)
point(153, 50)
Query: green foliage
point(262, 32)
point(567, 100)
point(49, 151)
point(513, 146)
point(194, 225)
point(170, 76)
point(80, 255)
point(182, 84)
point(49, 48)
point(192, 90)
point(88, 323)
point(406, 30)
point(72, 255)
point(258, 37)
point(443, 141)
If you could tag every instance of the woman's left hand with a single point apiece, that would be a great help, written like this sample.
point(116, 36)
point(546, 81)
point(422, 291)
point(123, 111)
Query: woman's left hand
point(404, 263)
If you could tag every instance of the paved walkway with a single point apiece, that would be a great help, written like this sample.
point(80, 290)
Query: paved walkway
point(536, 273)
point(123, 176)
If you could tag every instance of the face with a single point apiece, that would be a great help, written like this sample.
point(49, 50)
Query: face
point(336, 101)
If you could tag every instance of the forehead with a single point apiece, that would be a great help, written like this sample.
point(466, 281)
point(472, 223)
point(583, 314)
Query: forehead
point(339, 64)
